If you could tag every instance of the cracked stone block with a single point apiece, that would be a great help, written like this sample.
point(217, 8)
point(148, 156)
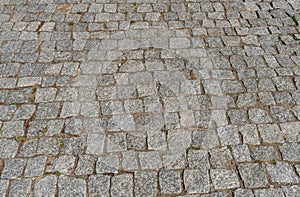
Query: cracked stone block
point(62, 164)
point(291, 131)
point(250, 134)
point(55, 127)
point(71, 186)
point(259, 116)
point(228, 135)
point(107, 164)
point(281, 173)
point(20, 187)
point(122, 185)
point(270, 133)
point(13, 168)
point(196, 181)
point(169, 182)
point(145, 183)
point(35, 166)
point(150, 160)
point(224, 179)
point(70, 109)
point(116, 142)
point(45, 186)
point(221, 158)
point(241, 153)
point(290, 152)
point(99, 185)
point(253, 175)
point(24, 112)
point(85, 165)
point(264, 153)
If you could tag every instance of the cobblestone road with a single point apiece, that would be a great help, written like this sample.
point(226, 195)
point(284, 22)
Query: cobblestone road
point(149, 98)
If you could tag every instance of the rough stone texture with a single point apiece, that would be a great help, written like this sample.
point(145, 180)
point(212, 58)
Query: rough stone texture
point(169, 182)
point(71, 186)
point(224, 179)
point(253, 175)
point(45, 186)
point(196, 181)
point(149, 98)
point(282, 172)
point(122, 185)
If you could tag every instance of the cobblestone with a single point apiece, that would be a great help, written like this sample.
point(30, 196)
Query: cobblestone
point(149, 98)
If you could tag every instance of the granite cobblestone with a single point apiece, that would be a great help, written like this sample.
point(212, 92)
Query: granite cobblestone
point(149, 98)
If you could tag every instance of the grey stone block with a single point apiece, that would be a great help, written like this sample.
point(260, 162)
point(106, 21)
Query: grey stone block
point(71, 186)
point(99, 185)
point(45, 186)
point(282, 172)
point(170, 182)
point(122, 185)
point(196, 181)
point(253, 175)
point(145, 183)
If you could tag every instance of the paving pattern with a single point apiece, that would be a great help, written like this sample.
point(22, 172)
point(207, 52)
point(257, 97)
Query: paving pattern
point(150, 98)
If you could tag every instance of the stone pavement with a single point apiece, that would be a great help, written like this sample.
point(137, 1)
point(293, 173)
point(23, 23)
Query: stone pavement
point(150, 98)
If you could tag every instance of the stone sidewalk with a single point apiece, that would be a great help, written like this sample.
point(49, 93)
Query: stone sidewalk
point(150, 98)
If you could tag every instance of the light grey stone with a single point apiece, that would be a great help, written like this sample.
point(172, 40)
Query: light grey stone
point(150, 160)
point(35, 166)
point(122, 185)
point(145, 183)
point(179, 139)
point(156, 140)
point(62, 164)
point(95, 143)
point(121, 123)
point(198, 159)
point(129, 160)
point(13, 168)
point(20, 187)
point(174, 160)
point(169, 182)
point(85, 165)
point(45, 186)
point(282, 172)
point(71, 186)
point(196, 181)
point(224, 179)
point(253, 175)
point(99, 185)
point(269, 192)
point(107, 164)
